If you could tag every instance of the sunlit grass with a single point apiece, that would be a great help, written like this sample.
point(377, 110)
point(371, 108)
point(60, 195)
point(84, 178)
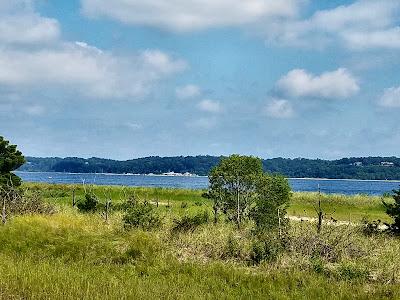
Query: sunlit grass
point(78, 256)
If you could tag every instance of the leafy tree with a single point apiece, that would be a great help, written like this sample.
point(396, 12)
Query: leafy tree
point(271, 201)
point(10, 160)
point(393, 210)
point(233, 184)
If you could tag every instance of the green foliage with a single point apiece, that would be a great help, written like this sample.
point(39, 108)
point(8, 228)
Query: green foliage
point(68, 255)
point(232, 185)
point(232, 247)
point(393, 210)
point(370, 167)
point(89, 204)
point(240, 188)
point(271, 201)
point(351, 271)
point(141, 215)
point(190, 223)
point(10, 160)
point(266, 248)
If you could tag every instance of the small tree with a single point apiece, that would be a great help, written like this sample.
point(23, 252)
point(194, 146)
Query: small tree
point(232, 185)
point(10, 160)
point(271, 201)
point(393, 210)
point(89, 204)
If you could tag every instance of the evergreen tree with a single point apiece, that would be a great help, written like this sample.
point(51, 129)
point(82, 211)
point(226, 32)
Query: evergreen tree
point(393, 210)
point(10, 160)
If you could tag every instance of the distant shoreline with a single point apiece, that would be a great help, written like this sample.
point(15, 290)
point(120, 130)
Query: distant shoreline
point(197, 176)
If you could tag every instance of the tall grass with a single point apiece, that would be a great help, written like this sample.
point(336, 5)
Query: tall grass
point(72, 256)
point(69, 255)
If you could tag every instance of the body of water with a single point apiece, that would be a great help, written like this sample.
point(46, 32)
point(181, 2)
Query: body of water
point(348, 187)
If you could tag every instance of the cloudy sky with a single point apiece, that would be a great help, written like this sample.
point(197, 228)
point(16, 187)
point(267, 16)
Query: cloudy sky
point(130, 78)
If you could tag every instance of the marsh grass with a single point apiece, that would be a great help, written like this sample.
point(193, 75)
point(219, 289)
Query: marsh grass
point(72, 256)
point(69, 255)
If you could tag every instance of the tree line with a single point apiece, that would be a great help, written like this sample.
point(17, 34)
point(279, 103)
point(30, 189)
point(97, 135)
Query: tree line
point(373, 168)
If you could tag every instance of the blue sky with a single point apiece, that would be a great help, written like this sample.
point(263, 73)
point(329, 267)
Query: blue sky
point(129, 78)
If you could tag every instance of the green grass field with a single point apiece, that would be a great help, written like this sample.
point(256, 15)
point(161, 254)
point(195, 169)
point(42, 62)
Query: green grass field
point(340, 207)
point(69, 255)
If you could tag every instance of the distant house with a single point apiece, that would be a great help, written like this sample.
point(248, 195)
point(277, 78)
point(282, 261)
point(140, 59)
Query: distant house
point(357, 164)
point(387, 164)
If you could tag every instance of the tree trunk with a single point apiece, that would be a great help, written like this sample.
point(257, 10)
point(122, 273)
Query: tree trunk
point(73, 198)
point(320, 217)
point(4, 213)
point(215, 213)
point(238, 209)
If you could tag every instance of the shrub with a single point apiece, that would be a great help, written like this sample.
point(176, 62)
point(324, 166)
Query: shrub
point(317, 265)
point(393, 210)
point(271, 200)
point(351, 271)
point(89, 204)
point(141, 215)
point(21, 202)
point(266, 247)
point(232, 247)
point(371, 227)
point(190, 223)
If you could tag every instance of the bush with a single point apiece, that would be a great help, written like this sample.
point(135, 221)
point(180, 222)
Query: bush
point(351, 271)
point(271, 201)
point(232, 248)
point(393, 210)
point(371, 227)
point(190, 223)
point(21, 202)
point(89, 204)
point(266, 249)
point(141, 215)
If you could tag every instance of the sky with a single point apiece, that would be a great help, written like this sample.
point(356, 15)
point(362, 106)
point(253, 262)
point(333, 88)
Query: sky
point(124, 79)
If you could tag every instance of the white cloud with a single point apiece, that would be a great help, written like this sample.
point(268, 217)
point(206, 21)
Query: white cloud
point(88, 70)
point(386, 38)
point(279, 108)
point(390, 98)
point(187, 91)
point(364, 24)
point(28, 29)
point(329, 85)
point(190, 15)
point(33, 56)
point(20, 24)
point(210, 106)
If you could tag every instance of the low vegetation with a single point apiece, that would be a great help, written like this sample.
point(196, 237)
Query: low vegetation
point(122, 243)
point(72, 255)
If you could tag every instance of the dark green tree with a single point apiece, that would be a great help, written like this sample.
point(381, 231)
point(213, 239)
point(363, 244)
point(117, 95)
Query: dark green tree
point(271, 201)
point(233, 184)
point(10, 160)
point(393, 210)
point(89, 204)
